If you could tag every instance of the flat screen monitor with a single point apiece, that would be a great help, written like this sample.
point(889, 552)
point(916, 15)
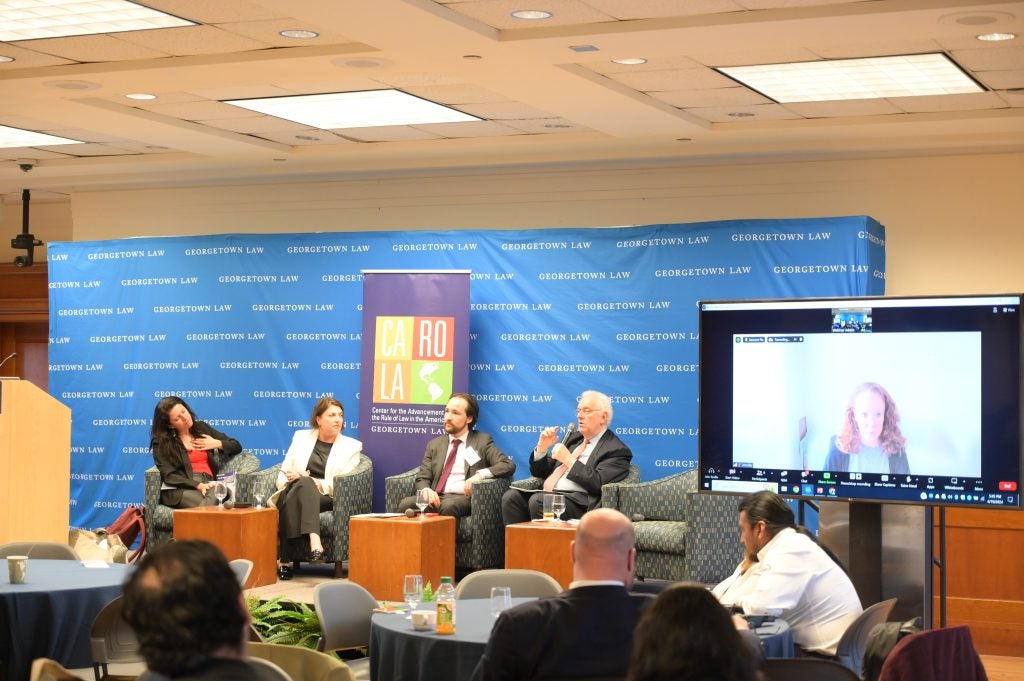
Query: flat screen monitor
point(892, 400)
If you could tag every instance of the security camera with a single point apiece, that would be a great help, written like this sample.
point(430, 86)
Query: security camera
point(26, 164)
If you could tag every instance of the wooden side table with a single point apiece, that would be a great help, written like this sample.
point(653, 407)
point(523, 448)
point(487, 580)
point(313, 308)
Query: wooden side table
point(239, 532)
point(542, 546)
point(383, 550)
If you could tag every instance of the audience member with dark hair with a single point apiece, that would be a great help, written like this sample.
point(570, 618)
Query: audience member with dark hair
point(305, 484)
point(181, 448)
point(586, 631)
point(186, 608)
point(786, 572)
point(687, 635)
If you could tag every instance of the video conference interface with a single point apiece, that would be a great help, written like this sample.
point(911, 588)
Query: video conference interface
point(910, 400)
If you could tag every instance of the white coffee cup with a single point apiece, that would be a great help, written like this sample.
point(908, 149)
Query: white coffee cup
point(423, 620)
point(17, 568)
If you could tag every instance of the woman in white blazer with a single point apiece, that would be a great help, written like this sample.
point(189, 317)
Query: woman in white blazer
point(306, 482)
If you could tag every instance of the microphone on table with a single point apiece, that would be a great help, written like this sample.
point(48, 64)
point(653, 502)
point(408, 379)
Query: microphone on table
point(410, 513)
point(8, 358)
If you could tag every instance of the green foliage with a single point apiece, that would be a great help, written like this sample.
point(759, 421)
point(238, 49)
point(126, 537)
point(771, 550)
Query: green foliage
point(283, 621)
point(428, 592)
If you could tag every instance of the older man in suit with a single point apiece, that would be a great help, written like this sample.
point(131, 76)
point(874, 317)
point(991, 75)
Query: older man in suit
point(586, 631)
point(577, 468)
point(454, 461)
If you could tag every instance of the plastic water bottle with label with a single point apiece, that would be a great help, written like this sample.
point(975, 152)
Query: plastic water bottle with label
point(445, 607)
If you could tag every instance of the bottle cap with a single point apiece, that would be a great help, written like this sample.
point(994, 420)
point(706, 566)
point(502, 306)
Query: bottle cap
point(446, 580)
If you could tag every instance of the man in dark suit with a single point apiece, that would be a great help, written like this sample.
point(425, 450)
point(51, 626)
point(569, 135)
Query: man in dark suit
point(453, 462)
point(586, 631)
point(589, 458)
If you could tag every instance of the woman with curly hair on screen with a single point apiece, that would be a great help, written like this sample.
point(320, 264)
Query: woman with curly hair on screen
point(869, 440)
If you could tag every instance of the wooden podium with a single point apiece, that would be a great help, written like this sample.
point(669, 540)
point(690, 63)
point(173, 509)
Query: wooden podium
point(35, 464)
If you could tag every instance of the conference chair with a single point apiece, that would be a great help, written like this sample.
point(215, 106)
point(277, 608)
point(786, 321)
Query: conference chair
point(535, 483)
point(160, 519)
point(353, 494)
point(48, 550)
point(805, 669)
point(854, 641)
point(112, 641)
point(480, 536)
point(301, 663)
point(680, 535)
point(344, 610)
point(242, 567)
point(934, 655)
point(523, 583)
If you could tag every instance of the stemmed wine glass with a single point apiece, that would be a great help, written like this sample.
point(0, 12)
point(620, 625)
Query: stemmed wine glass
point(422, 500)
point(558, 506)
point(221, 492)
point(412, 590)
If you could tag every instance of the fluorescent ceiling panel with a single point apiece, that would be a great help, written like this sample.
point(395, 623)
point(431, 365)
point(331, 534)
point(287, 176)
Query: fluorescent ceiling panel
point(13, 137)
point(366, 109)
point(32, 19)
point(872, 78)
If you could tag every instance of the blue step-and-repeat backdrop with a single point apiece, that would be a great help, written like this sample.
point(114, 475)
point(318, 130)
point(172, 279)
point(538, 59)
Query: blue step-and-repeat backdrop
point(251, 329)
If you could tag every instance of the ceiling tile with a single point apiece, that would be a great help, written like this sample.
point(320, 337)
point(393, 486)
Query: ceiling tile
point(498, 13)
point(206, 12)
point(1002, 80)
point(723, 96)
point(94, 149)
point(503, 111)
point(647, 9)
point(743, 56)
point(881, 48)
point(321, 137)
point(968, 102)
point(25, 57)
point(669, 63)
point(764, 112)
point(780, 4)
point(470, 129)
point(388, 133)
point(256, 124)
point(682, 79)
point(547, 126)
point(199, 111)
point(844, 108)
point(997, 59)
point(96, 48)
point(456, 94)
point(193, 40)
point(269, 32)
point(231, 91)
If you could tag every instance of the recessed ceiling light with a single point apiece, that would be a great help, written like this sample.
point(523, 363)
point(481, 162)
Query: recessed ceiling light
point(16, 137)
point(630, 61)
point(140, 96)
point(72, 85)
point(5, 58)
point(996, 37)
point(871, 78)
point(531, 14)
point(32, 19)
point(299, 34)
point(364, 109)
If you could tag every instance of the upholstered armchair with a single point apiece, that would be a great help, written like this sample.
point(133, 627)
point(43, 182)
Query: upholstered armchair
point(480, 536)
point(353, 494)
point(160, 519)
point(683, 535)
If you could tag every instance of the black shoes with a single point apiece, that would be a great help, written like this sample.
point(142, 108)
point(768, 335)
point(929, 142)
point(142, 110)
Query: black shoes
point(284, 572)
point(316, 556)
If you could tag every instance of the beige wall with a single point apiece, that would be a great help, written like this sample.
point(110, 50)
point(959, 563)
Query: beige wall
point(48, 221)
point(954, 223)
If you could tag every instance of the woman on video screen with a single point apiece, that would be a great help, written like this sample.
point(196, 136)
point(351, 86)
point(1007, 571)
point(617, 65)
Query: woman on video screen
point(869, 440)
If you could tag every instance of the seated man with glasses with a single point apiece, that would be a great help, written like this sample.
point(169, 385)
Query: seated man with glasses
point(589, 458)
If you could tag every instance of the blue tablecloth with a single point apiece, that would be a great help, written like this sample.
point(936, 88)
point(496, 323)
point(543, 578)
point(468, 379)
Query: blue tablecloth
point(400, 653)
point(51, 614)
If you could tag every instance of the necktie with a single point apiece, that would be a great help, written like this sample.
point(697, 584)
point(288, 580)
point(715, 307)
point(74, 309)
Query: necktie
point(448, 463)
point(556, 475)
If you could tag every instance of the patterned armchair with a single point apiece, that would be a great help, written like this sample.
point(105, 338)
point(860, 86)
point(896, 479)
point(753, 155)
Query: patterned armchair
point(160, 519)
point(480, 536)
point(684, 535)
point(353, 494)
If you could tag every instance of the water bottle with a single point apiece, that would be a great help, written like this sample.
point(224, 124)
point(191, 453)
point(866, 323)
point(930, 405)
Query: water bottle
point(445, 597)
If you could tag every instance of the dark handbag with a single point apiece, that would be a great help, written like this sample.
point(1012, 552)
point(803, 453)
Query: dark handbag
point(129, 525)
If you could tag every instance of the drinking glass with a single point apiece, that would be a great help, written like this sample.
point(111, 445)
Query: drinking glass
point(221, 492)
point(548, 512)
point(258, 496)
point(422, 500)
point(501, 599)
point(412, 590)
point(558, 506)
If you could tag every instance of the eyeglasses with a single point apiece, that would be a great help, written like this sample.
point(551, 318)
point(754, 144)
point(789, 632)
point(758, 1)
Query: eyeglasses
point(586, 411)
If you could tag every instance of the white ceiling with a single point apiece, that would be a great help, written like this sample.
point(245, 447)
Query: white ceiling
point(544, 103)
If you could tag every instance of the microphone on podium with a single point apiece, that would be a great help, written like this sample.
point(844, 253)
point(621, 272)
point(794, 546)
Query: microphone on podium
point(8, 358)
